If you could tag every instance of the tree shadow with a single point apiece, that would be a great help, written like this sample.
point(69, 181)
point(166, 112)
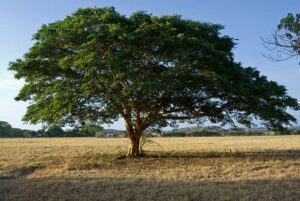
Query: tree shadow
point(21, 172)
point(129, 189)
point(18, 187)
point(280, 154)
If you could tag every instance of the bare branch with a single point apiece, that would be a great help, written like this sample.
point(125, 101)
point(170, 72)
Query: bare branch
point(282, 46)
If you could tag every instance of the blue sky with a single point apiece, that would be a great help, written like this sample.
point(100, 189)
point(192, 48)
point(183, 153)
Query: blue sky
point(247, 21)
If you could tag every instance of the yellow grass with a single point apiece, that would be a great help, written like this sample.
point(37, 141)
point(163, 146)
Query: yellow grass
point(203, 168)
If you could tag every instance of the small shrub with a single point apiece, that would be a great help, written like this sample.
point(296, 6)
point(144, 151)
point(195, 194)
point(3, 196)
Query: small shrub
point(145, 140)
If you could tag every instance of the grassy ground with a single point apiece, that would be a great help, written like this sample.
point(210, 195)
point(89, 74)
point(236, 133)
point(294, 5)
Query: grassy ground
point(215, 168)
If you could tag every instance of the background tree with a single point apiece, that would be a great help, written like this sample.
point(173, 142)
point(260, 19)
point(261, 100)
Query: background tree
point(55, 131)
point(90, 130)
point(285, 42)
point(5, 129)
point(96, 66)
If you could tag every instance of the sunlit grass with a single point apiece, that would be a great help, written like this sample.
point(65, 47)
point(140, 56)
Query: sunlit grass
point(203, 168)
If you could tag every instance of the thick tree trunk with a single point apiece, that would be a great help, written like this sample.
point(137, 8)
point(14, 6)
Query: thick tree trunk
point(134, 146)
point(134, 134)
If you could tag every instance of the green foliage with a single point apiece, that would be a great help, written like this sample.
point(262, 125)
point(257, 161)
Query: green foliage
point(218, 131)
point(237, 131)
point(96, 65)
point(100, 134)
point(286, 39)
point(73, 133)
point(175, 134)
point(205, 132)
point(16, 132)
point(55, 131)
point(90, 130)
point(5, 129)
point(295, 131)
point(291, 24)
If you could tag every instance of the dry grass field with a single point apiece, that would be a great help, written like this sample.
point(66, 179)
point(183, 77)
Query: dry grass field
point(203, 168)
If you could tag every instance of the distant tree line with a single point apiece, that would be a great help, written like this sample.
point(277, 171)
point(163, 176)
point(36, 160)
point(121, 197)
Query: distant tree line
point(217, 131)
point(6, 130)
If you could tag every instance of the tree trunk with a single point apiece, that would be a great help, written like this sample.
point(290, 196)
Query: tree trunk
point(134, 134)
point(134, 146)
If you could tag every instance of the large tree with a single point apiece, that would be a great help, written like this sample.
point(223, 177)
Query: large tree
point(96, 66)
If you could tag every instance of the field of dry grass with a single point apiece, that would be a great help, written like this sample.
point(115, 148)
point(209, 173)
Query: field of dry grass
point(204, 168)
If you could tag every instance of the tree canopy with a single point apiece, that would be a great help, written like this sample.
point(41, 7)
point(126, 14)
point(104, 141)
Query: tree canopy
point(97, 65)
point(285, 42)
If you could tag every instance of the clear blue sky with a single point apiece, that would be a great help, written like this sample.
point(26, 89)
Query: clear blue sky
point(247, 21)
